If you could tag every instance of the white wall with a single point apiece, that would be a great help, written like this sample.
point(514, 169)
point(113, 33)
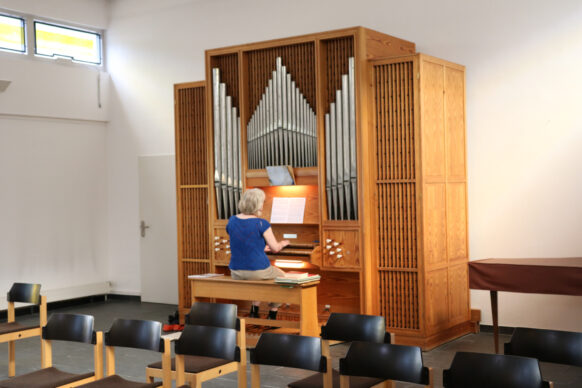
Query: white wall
point(53, 163)
point(523, 100)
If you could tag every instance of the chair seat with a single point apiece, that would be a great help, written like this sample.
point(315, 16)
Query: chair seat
point(44, 378)
point(194, 364)
point(116, 381)
point(316, 381)
point(11, 327)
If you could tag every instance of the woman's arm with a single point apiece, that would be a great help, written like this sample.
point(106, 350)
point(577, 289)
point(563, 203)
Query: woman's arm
point(274, 245)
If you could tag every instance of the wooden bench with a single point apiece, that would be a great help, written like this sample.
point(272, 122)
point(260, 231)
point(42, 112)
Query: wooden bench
point(304, 295)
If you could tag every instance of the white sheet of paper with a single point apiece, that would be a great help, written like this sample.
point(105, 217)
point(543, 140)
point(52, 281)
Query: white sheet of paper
point(288, 210)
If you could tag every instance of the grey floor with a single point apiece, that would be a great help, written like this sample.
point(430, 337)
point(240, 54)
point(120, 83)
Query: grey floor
point(131, 363)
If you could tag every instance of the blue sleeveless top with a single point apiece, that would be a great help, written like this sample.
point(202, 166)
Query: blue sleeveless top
point(247, 244)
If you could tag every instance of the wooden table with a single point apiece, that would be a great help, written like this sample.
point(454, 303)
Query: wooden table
point(562, 276)
point(304, 295)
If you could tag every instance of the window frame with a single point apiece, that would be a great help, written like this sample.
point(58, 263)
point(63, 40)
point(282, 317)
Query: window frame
point(30, 41)
point(24, 33)
point(71, 28)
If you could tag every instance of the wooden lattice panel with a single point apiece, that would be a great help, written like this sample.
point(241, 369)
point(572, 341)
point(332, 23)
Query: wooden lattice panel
point(396, 194)
point(336, 54)
point(192, 184)
point(195, 223)
point(395, 121)
point(399, 299)
point(228, 65)
point(397, 245)
point(299, 59)
point(191, 136)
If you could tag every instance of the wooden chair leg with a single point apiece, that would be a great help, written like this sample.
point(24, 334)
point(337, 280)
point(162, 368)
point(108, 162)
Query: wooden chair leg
point(344, 381)
point(11, 359)
point(255, 376)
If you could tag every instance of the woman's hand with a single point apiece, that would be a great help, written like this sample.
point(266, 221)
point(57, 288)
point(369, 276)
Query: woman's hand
point(272, 243)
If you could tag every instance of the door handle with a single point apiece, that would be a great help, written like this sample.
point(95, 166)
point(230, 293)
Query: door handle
point(143, 227)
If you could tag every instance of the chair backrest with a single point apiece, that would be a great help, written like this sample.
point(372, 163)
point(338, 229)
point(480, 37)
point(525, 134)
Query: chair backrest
point(385, 361)
point(355, 327)
point(293, 351)
point(24, 293)
point(70, 327)
point(479, 370)
point(133, 333)
point(562, 347)
point(208, 341)
point(213, 314)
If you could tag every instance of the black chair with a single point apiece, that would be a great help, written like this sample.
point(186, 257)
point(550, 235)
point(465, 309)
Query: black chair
point(62, 327)
point(136, 334)
point(11, 330)
point(215, 315)
point(560, 347)
point(386, 362)
point(344, 327)
point(292, 351)
point(479, 370)
point(213, 350)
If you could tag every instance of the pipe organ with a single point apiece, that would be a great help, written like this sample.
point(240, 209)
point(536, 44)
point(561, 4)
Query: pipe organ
point(375, 136)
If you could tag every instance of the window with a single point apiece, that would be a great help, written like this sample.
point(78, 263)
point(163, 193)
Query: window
point(57, 41)
point(12, 34)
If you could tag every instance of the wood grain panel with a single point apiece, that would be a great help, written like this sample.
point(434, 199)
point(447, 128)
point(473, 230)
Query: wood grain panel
point(340, 290)
point(380, 45)
point(194, 216)
point(437, 300)
point(455, 123)
point(435, 227)
point(459, 308)
point(221, 246)
point(456, 222)
point(432, 121)
point(310, 193)
point(344, 243)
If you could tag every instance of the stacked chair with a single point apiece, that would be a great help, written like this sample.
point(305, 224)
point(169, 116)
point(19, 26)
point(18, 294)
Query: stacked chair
point(205, 349)
point(62, 327)
point(480, 370)
point(11, 330)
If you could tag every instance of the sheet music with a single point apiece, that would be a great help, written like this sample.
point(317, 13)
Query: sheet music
point(288, 210)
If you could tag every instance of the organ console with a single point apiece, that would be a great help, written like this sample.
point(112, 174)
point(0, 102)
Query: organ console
point(374, 135)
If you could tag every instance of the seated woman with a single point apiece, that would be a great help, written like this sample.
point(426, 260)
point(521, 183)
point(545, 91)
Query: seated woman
point(248, 235)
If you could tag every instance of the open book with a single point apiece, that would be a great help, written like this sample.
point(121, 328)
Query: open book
point(297, 280)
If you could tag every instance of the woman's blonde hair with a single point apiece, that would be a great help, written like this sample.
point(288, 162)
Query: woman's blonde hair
point(251, 201)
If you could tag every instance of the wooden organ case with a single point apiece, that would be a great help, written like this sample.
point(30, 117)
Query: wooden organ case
point(383, 175)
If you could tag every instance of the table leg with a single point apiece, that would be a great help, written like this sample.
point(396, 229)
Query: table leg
point(308, 324)
point(495, 320)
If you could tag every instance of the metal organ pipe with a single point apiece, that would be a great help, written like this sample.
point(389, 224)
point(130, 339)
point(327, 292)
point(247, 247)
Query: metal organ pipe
point(227, 152)
point(340, 146)
point(287, 125)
